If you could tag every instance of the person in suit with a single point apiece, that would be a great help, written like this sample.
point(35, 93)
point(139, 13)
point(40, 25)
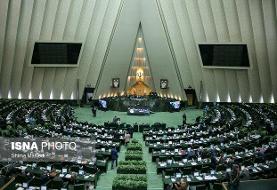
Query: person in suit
point(93, 110)
point(114, 155)
point(234, 178)
point(213, 161)
point(115, 119)
point(190, 153)
point(2, 123)
point(184, 118)
point(222, 158)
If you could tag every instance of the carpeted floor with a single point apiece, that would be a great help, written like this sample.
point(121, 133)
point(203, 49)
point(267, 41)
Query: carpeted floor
point(171, 119)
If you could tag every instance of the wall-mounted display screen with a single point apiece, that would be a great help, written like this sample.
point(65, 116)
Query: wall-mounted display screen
point(224, 55)
point(46, 53)
point(175, 105)
point(103, 103)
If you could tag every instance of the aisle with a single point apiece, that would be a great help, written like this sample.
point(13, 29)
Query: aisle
point(154, 181)
point(106, 179)
point(171, 119)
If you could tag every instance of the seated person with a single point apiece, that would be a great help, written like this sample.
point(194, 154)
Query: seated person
point(269, 150)
point(245, 174)
point(53, 173)
point(190, 153)
point(115, 119)
point(182, 152)
point(199, 152)
point(221, 159)
point(261, 151)
point(230, 161)
point(234, 178)
point(2, 123)
point(182, 185)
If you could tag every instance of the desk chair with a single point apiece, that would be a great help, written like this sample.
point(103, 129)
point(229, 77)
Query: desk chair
point(205, 169)
point(217, 186)
point(55, 184)
point(74, 168)
point(90, 169)
point(57, 166)
point(177, 158)
point(198, 167)
point(247, 162)
point(200, 187)
point(79, 187)
point(42, 164)
point(36, 182)
point(230, 151)
point(186, 171)
point(168, 172)
point(162, 159)
point(21, 178)
point(221, 167)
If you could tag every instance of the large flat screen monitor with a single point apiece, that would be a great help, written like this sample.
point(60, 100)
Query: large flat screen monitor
point(103, 103)
point(52, 54)
point(175, 105)
point(224, 55)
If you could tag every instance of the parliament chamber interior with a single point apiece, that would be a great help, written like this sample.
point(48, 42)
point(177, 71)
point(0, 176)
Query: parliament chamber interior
point(138, 94)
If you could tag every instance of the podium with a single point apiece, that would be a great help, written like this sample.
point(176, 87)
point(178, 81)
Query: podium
point(87, 95)
point(191, 96)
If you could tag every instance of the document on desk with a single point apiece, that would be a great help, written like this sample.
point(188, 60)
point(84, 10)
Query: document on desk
point(208, 177)
point(68, 176)
point(23, 168)
point(162, 164)
point(199, 178)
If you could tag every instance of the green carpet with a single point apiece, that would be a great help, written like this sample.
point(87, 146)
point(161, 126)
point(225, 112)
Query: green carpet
point(106, 179)
point(154, 181)
point(171, 119)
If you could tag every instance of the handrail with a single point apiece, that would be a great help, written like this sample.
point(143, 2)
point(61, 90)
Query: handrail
point(224, 185)
point(8, 183)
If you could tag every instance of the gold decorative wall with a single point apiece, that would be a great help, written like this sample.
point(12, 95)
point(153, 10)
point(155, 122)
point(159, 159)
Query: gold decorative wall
point(139, 81)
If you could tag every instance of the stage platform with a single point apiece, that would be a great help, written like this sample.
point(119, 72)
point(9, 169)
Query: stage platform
point(153, 103)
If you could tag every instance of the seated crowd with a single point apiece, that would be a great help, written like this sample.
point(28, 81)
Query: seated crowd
point(230, 143)
point(30, 119)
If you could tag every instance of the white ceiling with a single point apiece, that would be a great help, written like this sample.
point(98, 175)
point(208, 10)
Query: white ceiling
point(107, 29)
